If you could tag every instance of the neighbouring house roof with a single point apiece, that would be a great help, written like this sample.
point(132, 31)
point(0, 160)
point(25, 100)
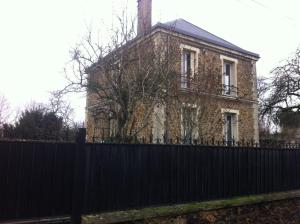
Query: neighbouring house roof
point(189, 29)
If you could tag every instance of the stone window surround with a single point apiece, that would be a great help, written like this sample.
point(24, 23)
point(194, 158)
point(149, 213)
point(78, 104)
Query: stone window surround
point(196, 134)
point(236, 128)
point(158, 126)
point(234, 63)
point(192, 49)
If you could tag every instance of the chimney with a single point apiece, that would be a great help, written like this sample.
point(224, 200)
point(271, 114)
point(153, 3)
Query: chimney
point(144, 16)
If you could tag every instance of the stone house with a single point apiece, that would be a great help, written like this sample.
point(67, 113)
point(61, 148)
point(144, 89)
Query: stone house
point(216, 91)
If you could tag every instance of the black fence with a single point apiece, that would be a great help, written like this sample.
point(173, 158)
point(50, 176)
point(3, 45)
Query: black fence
point(36, 179)
point(53, 179)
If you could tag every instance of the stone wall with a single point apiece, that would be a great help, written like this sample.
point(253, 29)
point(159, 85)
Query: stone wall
point(210, 120)
point(275, 208)
point(278, 212)
point(206, 93)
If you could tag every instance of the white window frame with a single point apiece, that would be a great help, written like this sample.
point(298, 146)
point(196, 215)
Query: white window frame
point(194, 63)
point(195, 131)
point(116, 64)
point(112, 127)
point(158, 126)
point(233, 74)
point(235, 128)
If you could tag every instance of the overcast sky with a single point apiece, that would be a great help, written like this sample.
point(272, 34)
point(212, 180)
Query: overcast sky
point(36, 36)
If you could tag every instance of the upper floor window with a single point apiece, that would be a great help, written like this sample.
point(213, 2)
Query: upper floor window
point(189, 64)
point(115, 71)
point(229, 76)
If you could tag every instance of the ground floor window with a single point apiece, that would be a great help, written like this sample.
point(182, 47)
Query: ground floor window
point(112, 127)
point(230, 129)
point(158, 128)
point(189, 123)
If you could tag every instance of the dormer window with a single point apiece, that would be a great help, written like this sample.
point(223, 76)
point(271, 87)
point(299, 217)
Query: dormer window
point(189, 65)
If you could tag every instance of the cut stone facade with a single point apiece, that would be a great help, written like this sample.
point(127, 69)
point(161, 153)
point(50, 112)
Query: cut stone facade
point(204, 90)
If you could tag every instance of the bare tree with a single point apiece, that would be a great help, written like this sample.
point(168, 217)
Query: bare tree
point(61, 107)
point(124, 78)
point(282, 92)
point(279, 100)
point(265, 121)
point(193, 101)
point(4, 110)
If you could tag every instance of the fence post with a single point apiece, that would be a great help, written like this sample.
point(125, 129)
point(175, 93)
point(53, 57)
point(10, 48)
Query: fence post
point(78, 178)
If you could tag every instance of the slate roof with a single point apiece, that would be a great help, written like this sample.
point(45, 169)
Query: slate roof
point(189, 29)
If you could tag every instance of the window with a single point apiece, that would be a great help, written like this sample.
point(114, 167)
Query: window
point(112, 127)
point(189, 65)
point(189, 123)
point(229, 136)
point(158, 129)
point(229, 78)
point(186, 69)
point(230, 125)
point(115, 71)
